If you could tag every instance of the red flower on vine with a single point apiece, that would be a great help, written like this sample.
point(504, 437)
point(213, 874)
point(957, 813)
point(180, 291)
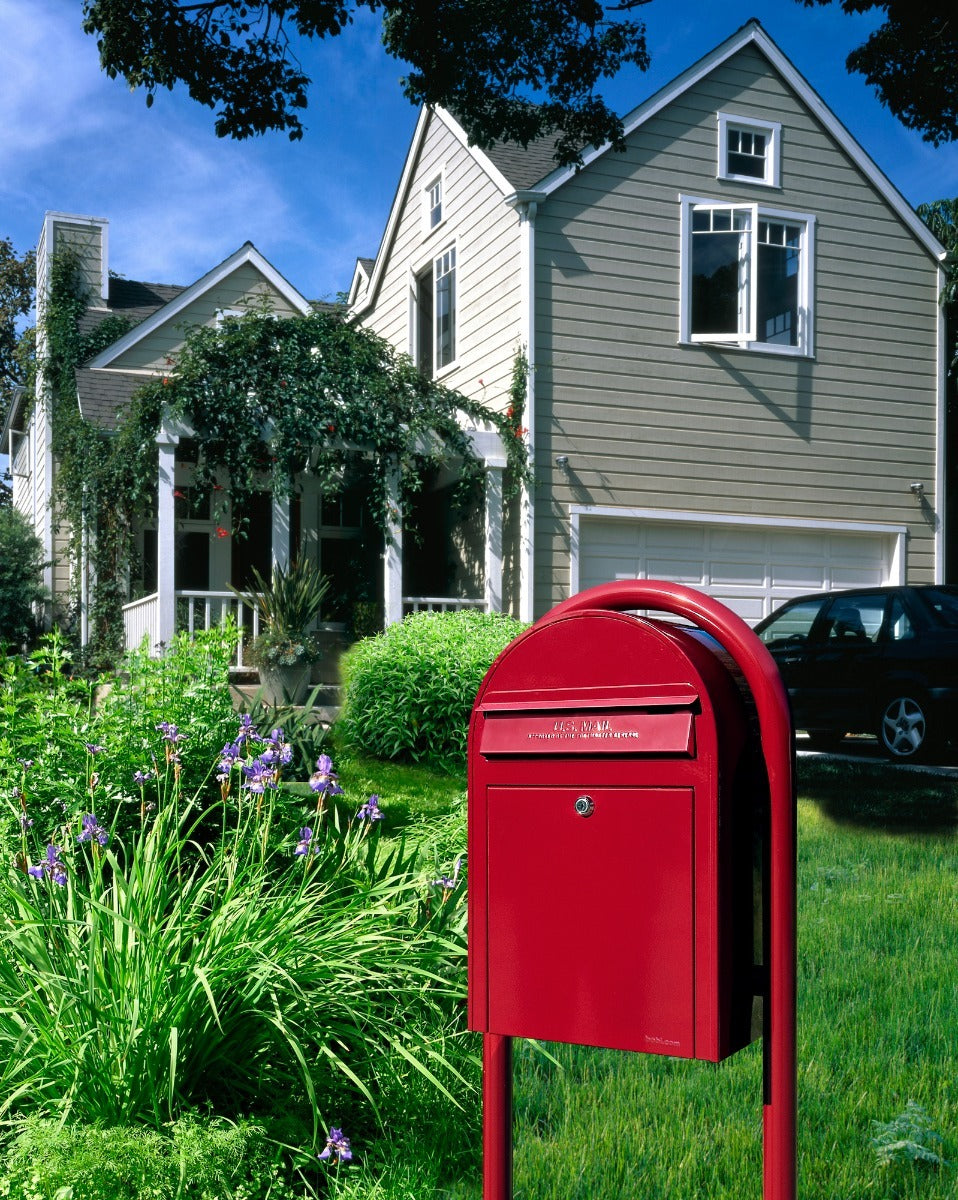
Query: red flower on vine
point(221, 532)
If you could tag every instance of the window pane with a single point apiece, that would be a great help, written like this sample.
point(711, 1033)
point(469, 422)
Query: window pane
point(746, 154)
point(719, 271)
point(446, 308)
point(424, 323)
point(779, 260)
point(793, 625)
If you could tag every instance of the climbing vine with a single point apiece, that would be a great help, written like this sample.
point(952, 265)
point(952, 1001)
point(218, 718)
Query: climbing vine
point(268, 399)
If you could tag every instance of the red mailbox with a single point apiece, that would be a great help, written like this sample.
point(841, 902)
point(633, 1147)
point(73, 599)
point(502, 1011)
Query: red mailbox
point(631, 848)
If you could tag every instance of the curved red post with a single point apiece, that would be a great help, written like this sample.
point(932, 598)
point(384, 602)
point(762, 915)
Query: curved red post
point(771, 702)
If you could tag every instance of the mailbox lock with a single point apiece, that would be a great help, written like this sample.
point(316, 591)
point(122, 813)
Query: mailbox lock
point(585, 806)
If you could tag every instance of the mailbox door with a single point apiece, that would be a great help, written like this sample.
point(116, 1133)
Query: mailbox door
point(591, 916)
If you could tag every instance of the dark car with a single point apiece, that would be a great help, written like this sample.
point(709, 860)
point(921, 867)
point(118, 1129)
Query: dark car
point(874, 660)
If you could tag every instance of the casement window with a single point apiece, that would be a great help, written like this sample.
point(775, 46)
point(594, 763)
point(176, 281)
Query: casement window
point(433, 314)
point(749, 150)
point(746, 276)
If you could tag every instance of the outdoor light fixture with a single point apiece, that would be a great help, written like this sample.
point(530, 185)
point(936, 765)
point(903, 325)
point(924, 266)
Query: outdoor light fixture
point(562, 461)
point(917, 489)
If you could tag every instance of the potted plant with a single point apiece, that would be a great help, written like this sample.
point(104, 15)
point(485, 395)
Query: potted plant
point(289, 604)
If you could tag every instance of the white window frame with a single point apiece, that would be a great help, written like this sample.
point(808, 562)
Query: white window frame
point(415, 273)
point(745, 337)
point(437, 180)
point(770, 130)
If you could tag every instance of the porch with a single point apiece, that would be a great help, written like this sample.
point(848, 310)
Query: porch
point(197, 610)
point(185, 521)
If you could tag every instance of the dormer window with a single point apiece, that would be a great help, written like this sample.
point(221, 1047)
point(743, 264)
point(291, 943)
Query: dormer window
point(749, 150)
point(432, 204)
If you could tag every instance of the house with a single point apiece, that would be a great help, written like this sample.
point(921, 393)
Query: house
point(725, 343)
point(185, 557)
point(733, 333)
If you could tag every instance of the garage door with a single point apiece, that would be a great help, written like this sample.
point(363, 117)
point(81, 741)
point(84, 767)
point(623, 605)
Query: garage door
point(751, 568)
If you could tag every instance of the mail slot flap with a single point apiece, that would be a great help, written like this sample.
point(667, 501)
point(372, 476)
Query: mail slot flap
point(660, 695)
point(658, 730)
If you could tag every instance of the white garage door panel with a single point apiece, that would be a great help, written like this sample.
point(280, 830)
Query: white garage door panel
point(750, 568)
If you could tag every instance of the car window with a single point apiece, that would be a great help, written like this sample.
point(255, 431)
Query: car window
point(945, 605)
point(900, 628)
point(856, 619)
point(792, 624)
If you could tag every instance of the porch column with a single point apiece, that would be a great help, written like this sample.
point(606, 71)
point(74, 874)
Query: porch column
point(166, 440)
point(493, 538)
point(281, 530)
point(392, 555)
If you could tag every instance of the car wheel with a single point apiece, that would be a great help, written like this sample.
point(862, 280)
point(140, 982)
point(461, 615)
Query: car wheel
point(904, 731)
point(824, 739)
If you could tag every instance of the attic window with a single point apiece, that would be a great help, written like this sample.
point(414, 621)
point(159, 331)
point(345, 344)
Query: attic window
point(432, 203)
point(749, 150)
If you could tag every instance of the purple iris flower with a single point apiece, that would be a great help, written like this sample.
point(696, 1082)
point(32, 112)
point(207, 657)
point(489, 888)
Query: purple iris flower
point(446, 882)
point(246, 730)
point(141, 777)
point(170, 733)
point(93, 831)
point(371, 811)
point(259, 776)
point(337, 1147)
point(51, 866)
point(303, 845)
point(277, 750)
point(93, 748)
point(324, 779)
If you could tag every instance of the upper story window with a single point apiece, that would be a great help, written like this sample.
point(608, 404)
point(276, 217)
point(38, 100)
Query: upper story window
point(746, 276)
point(433, 314)
point(432, 203)
point(749, 150)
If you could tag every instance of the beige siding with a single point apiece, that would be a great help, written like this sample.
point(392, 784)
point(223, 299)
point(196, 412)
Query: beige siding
point(649, 423)
point(244, 289)
point(485, 233)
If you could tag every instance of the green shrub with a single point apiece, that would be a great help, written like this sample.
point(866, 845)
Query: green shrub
point(21, 571)
point(194, 1159)
point(409, 691)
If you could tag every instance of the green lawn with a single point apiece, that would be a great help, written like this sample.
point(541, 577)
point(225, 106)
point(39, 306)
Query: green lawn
point(878, 1027)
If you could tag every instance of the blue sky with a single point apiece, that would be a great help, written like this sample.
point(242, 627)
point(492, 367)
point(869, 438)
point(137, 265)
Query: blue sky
point(179, 199)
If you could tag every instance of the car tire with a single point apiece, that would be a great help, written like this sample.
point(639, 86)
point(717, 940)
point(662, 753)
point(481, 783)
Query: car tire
point(824, 739)
point(905, 728)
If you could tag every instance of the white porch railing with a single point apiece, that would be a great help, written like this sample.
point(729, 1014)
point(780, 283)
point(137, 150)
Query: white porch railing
point(194, 610)
point(203, 610)
point(411, 604)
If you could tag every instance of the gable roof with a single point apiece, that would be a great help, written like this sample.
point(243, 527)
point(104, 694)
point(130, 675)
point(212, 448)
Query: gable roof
point(516, 169)
point(752, 34)
point(247, 253)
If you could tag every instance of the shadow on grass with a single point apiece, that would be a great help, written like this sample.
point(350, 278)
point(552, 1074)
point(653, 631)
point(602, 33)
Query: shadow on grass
point(880, 795)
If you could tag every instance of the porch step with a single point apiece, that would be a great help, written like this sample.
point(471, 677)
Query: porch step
point(327, 700)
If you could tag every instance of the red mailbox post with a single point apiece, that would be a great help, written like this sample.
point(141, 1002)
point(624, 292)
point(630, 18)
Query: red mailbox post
point(610, 753)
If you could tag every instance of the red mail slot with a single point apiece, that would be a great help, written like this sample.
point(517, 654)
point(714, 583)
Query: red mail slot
point(589, 731)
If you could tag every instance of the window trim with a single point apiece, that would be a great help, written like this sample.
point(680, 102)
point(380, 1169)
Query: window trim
point(741, 340)
point(772, 131)
point(416, 270)
point(432, 180)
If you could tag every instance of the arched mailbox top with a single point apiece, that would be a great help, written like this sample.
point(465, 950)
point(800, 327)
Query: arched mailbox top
point(749, 653)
